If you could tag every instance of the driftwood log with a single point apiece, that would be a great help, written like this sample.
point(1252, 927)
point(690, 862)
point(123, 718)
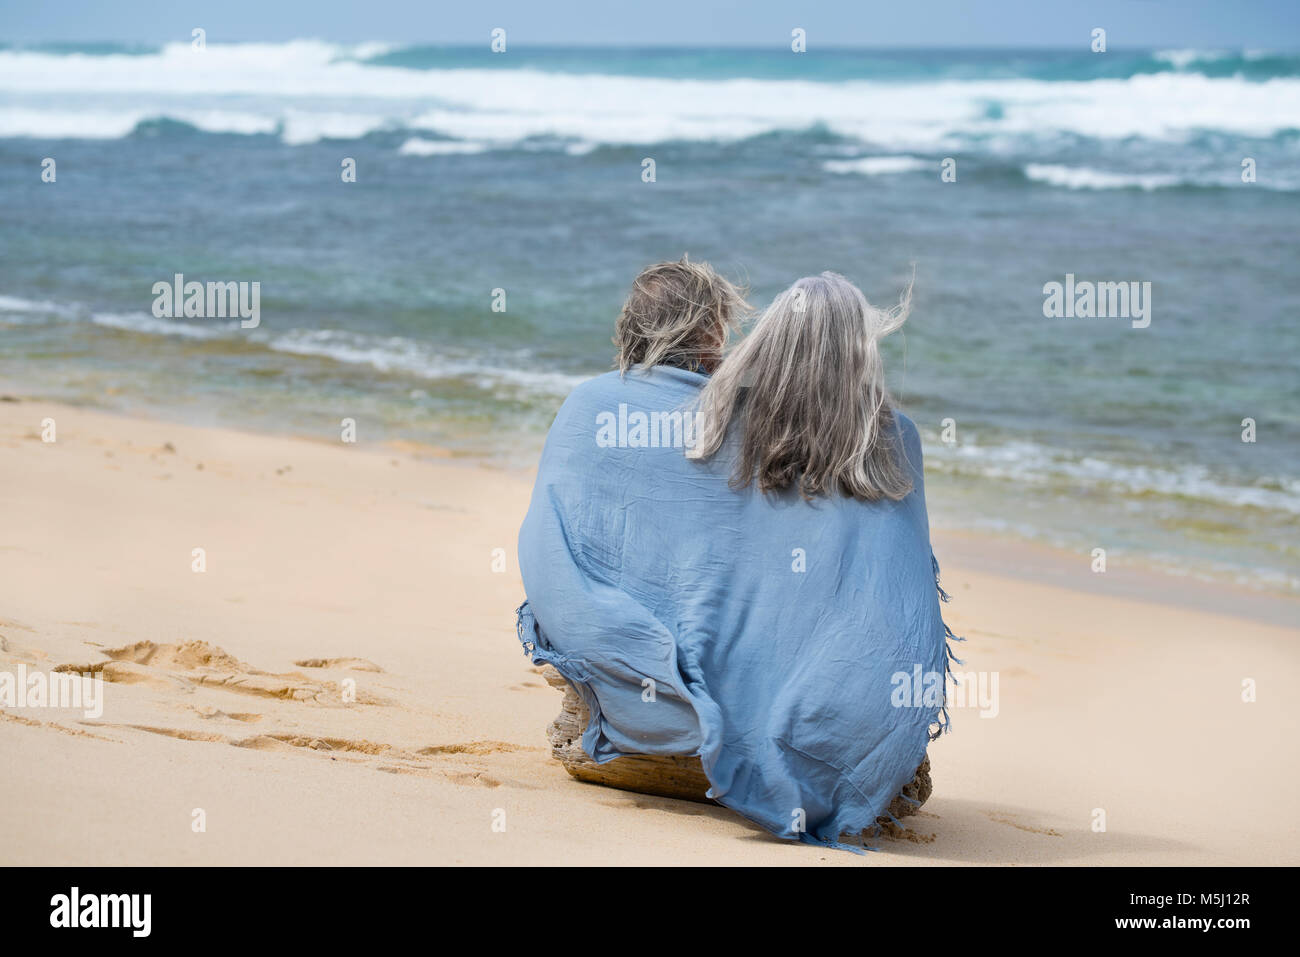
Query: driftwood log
point(667, 775)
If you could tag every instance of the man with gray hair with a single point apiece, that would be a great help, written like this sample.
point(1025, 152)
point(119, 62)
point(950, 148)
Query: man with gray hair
point(632, 424)
point(677, 314)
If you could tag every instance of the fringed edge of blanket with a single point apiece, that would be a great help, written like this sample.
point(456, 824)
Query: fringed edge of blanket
point(526, 628)
point(944, 721)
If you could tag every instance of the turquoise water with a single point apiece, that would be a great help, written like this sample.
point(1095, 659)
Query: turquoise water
point(522, 172)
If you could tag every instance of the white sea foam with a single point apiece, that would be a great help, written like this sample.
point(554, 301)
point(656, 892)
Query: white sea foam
point(388, 354)
point(416, 146)
point(143, 323)
point(322, 90)
point(109, 124)
point(1182, 59)
point(37, 307)
point(300, 126)
point(398, 354)
point(366, 51)
point(1033, 463)
point(1084, 177)
point(877, 165)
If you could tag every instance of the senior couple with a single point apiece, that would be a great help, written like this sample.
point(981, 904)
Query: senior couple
point(759, 592)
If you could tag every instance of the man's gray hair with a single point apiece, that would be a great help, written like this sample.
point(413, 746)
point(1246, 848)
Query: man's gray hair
point(678, 313)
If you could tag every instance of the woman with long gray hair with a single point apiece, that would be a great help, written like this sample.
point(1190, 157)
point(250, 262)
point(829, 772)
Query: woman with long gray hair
point(805, 394)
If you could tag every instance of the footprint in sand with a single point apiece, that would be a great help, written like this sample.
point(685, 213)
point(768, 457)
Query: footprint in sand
point(188, 666)
point(1010, 822)
point(180, 733)
point(216, 713)
point(344, 745)
point(395, 760)
point(14, 650)
point(477, 747)
point(342, 664)
point(356, 750)
point(197, 663)
point(54, 726)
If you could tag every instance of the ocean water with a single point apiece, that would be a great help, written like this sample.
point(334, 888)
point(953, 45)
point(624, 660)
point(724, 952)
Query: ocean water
point(522, 172)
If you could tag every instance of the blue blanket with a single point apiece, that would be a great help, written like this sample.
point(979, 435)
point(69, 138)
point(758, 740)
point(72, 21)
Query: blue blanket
point(797, 648)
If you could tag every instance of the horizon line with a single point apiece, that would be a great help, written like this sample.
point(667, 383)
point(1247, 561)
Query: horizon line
point(652, 47)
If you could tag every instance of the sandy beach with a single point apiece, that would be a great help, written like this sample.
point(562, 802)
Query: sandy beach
point(342, 683)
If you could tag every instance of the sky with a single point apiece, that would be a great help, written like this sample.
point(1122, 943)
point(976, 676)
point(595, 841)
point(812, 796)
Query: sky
point(1161, 24)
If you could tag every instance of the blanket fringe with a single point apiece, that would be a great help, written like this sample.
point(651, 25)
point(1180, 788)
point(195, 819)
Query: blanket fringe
point(909, 799)
point(945, 719)
point(524, 624)
point(835, 845)
point(943, 595)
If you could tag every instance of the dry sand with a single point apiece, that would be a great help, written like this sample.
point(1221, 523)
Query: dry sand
point(332, 567)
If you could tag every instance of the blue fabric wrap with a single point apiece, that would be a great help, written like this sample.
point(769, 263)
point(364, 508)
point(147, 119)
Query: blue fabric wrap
point(677, 608)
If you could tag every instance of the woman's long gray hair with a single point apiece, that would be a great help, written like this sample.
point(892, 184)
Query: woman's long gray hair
point(806, 393)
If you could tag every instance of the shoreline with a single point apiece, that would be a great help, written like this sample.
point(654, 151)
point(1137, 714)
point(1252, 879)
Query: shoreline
point(373, 568)
point(1030, 559)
